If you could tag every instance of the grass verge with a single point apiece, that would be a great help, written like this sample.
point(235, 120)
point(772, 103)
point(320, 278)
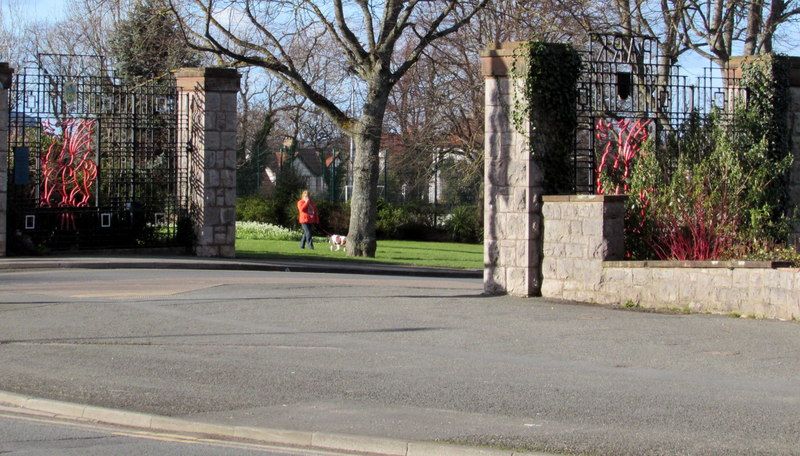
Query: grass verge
point(432, 254)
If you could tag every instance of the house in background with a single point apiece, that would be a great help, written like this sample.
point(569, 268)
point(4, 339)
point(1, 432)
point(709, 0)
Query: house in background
point(311, 164)
point(306, 163)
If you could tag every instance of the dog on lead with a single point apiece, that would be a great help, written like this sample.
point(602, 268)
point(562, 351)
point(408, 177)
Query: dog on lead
point(338, 241)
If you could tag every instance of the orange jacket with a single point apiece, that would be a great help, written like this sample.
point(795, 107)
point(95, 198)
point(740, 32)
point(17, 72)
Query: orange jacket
point(307, 212)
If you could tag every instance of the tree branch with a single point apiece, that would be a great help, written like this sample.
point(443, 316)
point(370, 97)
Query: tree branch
point(433, 34)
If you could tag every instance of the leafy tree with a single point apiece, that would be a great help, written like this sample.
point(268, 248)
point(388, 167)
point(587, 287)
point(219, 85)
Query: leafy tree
point(147, 44)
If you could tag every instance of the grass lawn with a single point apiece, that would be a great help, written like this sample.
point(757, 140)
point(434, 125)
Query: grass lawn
point(441, 254)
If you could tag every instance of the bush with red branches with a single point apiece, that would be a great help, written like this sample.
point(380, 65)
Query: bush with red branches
point(705, 204)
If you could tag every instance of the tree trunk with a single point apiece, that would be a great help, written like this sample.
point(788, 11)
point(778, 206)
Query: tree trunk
point(754, 27)
point(361, 240)
point(776, 10)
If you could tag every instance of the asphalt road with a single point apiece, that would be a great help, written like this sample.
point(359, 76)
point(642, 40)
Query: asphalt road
point(40, 436)
point(410, 358)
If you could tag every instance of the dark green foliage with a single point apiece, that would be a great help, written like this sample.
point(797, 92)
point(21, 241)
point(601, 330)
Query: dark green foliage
point(334, 217)
point(148, 44)
point(278, 208)
point(425, 222)
point(288, 186)
point(185, 235)
point(549, 107)
point(465, 224)
point(257, 209)
point(406, 221)
point(767, 81)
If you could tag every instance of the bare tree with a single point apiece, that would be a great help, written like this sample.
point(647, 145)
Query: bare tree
point(11, 32)
point(712, 28)
point(282, 36)
point(438, 109)
point(763, 23)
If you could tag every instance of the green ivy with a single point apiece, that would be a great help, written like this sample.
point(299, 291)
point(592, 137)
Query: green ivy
point(544, 110)
point(766, 79)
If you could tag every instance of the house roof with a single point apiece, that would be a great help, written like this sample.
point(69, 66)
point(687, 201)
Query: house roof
point(310, 158)
point(307, 156)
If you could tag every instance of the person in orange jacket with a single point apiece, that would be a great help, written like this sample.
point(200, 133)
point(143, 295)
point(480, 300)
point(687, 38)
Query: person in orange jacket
point(307, 214)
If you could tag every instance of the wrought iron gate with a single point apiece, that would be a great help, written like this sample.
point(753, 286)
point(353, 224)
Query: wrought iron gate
point(93, 162)
point(624, 78)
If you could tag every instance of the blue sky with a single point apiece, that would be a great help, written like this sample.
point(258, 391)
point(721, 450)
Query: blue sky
point(50, 10)
point(39, 9)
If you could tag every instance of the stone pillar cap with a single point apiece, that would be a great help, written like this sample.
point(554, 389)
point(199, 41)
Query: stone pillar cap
point(501, 49)
point(735, 65)
point(206, 72)
point(498, 58)
point(211, 79)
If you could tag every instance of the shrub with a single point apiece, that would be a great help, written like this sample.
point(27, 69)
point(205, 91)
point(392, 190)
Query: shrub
point(252, 209)
point(266, 210)
point(334, 217)
point(708, 203)
point(409, 222)
point(465, 224)
point(715, 188)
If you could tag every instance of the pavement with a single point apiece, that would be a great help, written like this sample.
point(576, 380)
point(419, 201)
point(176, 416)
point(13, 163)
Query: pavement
point(43, 434)
point(391, 364)
point(132, 261)
point(158, 423)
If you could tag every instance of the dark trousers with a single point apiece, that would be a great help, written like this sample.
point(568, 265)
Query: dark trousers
point(306, 236)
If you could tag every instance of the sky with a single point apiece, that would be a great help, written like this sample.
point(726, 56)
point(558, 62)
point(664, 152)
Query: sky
point(42, 10)
point(53, 10)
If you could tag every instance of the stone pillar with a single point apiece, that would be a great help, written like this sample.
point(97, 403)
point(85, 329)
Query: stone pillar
point(5, 84)
point(207, 103)
point(508, 240)
point(514, 177)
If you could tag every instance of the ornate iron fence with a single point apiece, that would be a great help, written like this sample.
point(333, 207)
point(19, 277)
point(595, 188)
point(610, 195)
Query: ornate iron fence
point(626, 79)
point(94, 162)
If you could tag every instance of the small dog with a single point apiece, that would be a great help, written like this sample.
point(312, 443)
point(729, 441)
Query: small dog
point(337, 240)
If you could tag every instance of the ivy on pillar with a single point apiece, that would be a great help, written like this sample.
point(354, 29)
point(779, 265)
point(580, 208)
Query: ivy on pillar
point(207, 102)
point(793, 122)
point(6, 74)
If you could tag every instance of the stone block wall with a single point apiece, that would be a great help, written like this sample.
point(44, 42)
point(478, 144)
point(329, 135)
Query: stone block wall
point(584, 239)
point(508, 222)
point(5, 84)
point(207, 101)
point(580, 233)
point(750, 288)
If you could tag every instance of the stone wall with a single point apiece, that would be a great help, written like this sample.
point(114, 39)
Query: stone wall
point(752, 288)
point(583, 241)
point(207, 101)
point(580, 233)
point(5, 83)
